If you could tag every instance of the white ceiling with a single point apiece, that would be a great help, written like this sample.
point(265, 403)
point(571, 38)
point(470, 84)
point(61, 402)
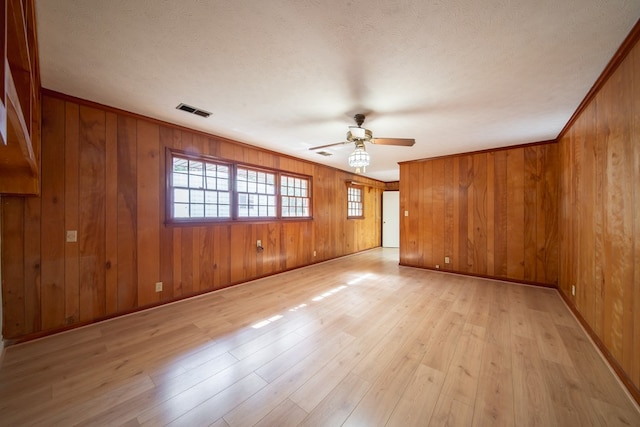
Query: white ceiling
point(287, 75)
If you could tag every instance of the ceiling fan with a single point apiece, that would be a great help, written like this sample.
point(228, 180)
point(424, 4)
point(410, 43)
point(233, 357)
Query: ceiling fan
point(359, 135)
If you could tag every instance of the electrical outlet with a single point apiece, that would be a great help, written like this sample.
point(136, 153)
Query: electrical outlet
point(314, 253)
point(446, 260)
point(258, 243)
point(406, 213)
point(438, 266)
point(573, 290)
point(158, 286)
point(72, 236)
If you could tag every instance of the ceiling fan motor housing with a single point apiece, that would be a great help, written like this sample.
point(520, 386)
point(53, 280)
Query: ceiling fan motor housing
point(357, 133)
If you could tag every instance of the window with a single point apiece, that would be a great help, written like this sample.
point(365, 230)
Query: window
point(355, 208)
point(201, 189)
point(295, 200)
point(256, 193)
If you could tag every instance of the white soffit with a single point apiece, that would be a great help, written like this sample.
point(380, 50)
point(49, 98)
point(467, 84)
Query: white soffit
point(288, 75)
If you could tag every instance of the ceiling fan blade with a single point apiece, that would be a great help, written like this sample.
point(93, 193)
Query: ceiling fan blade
point(406, 142)
point(329, 145)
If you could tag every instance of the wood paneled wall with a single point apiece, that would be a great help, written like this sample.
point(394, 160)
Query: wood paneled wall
point(492, 213)
point(600, 215)
point(103, 174)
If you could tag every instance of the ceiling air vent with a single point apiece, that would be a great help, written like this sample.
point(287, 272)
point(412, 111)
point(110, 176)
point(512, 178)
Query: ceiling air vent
point(193, 110)
point(324, 153)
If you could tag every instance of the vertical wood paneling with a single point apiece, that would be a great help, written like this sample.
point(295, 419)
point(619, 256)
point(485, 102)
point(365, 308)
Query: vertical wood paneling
point(404, 220)
point(470, 216)
point(127, 214)
point(463, 224)
point(195, 259)
point(13, 267)
point(547, 217)
point(480, 221)
point(53, 201)
point(71, 212)
point(449, 218)
point(599, 209)
point(91, 215)
point(222, 256)
point(437, 214)
point(456, 214)
point(635, 136)
point(32, 261)
point(500, 213)
point(490, 205)
point(148, 241)
point(515, 213)
point(111, 213)
point(598, 226)
point(166, 232)
point(531, 209)
point(423, 214)
point(104, 175)
point(618, 209)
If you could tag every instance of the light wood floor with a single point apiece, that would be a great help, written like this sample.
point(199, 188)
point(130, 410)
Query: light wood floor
point(357, 341)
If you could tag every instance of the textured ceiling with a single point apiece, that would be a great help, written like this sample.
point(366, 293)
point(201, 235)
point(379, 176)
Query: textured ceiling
point(288, 75)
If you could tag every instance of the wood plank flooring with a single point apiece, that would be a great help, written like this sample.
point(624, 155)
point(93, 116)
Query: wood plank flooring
point(358, 341)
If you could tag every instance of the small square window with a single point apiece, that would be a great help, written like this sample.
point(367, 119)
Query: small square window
point(355, 205)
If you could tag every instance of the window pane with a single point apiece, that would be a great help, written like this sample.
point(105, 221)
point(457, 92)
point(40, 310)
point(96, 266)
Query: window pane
point(223, 198)
point(180, 180)
point(354, 202)
point(195, 168)
point(181, 195)
point(254, 193)
point(195, 181)
point(189, 180)
point(181, 210)
point(211, 211)
point(180, 165)
point(211, 197)
point(197, 211)
point(294, 196)
point(196, 196)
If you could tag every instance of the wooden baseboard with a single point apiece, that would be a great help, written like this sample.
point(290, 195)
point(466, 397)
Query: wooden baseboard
point(606, 354)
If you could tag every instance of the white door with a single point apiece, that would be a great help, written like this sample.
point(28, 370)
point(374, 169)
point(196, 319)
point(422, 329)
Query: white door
point(390, 219)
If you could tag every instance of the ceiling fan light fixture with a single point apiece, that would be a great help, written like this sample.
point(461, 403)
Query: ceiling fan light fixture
point(359, 158)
